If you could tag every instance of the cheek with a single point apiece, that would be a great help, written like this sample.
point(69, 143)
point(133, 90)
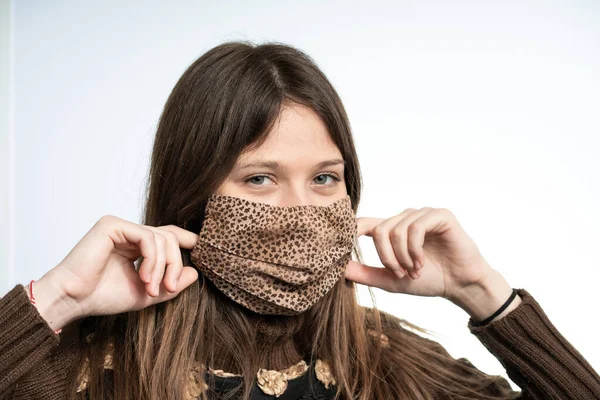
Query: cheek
point(229, 188)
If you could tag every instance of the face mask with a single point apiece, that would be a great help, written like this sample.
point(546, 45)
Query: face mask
point(276, 260)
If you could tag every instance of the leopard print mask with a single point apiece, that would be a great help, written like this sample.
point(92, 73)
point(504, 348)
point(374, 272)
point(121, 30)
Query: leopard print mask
point(274, 260)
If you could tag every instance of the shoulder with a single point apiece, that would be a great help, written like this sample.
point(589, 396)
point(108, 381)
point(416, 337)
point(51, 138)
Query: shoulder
point(389, 327)
point(404, 337)
point(407, 341)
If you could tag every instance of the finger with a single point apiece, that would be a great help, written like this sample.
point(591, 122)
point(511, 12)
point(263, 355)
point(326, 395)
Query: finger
point(399, 240)
point(174, 266)
point(185, 238)
point(177, 238)
point(143, 238)
point(379, 230)
point(188, 276)
point(382, 278)
point(365, 225)
point(383, 245)
point(429, 221)
point(161, 259)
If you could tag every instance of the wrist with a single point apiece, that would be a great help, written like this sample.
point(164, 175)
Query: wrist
point(53, 304)
point(483, 299)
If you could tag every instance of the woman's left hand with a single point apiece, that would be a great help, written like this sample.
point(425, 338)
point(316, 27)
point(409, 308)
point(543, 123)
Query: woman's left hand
point(450, 261)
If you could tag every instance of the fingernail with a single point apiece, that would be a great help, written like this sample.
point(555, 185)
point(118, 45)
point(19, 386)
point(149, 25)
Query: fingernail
point(417, 264)
point(175, 284)
point(156, 288)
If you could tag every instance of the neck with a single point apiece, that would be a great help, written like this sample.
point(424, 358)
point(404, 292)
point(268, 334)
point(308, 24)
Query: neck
point(275, 344)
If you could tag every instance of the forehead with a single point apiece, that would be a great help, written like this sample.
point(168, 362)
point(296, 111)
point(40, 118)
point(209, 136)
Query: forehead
point(298, 136)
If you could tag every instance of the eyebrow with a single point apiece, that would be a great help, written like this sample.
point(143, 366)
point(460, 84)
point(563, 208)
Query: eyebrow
point(276, 165)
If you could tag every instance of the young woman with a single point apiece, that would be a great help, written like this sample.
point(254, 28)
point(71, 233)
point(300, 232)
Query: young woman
point(247, 289)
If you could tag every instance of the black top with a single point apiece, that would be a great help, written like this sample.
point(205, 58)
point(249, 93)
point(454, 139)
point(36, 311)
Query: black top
point(304, 387)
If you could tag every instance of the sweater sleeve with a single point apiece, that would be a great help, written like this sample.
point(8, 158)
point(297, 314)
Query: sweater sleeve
point(34, 361)
point(536, 356)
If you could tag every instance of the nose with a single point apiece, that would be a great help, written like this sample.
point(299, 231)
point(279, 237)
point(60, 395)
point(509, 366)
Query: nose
point(295, 198)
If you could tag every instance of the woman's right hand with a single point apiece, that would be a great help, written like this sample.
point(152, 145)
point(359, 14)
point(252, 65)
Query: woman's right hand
point(98, 276)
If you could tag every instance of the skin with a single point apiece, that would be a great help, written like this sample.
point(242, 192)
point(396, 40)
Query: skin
point(424, 252)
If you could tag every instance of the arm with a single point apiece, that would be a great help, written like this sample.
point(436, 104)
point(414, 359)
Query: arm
point(536, 356)
point(34, 361)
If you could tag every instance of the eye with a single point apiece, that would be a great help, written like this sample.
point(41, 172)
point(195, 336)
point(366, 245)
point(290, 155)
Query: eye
point(257, 180)
point(323, 177)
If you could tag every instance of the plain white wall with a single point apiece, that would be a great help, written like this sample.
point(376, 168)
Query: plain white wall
point(488, 109)
point(6, 147)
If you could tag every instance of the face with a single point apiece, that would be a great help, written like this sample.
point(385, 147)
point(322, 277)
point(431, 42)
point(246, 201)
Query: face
point(298, 164)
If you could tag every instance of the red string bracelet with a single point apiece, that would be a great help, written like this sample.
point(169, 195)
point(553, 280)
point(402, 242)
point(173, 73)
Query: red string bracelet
point(32, 298)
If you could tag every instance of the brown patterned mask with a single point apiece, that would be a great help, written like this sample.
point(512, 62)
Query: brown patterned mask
point(276, 260)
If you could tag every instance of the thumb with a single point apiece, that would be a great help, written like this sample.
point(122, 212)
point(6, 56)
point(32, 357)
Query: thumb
point(378, 277)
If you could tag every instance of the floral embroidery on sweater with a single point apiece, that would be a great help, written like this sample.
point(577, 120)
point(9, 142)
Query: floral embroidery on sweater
point(274, 382)
point(385, 340)
point(271, 382)
point(324, 374)
point(196, 384)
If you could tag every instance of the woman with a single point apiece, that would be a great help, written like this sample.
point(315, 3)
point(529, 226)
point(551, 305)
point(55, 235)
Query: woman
point(254, 152)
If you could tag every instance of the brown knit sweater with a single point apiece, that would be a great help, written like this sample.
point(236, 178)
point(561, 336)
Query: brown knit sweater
point(35, 362)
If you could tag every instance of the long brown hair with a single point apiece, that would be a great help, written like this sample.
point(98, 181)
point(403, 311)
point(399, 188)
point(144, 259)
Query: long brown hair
point(224, 103)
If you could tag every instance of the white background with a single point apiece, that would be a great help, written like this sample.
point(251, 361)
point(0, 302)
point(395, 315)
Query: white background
point(488, 109)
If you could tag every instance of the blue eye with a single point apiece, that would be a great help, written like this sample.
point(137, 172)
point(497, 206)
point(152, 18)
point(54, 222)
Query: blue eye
point(259, 183)
point(334, 177)
point(258, 180)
